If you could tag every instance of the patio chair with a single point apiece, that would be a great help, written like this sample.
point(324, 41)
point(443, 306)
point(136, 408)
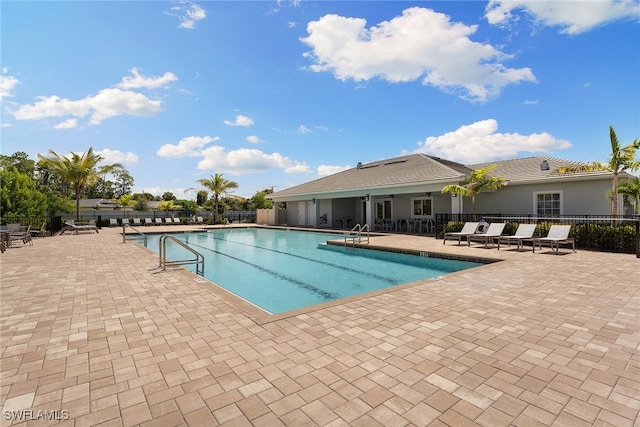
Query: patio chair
point(177, 221)
point(468, 229)
point(524, 232)
point(22, 234)
point(558, 234)
point(148, 221)
point(41, 232)
point(493, 232)
point(199, 220)
point(168, 220)
point(113, 222)
point(71, 226)
point(136, 221)
point(158, 221)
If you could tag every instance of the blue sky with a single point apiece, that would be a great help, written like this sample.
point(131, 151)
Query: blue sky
point(274, 94)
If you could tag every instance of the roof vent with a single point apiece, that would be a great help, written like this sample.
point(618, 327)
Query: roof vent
point(544, 166)
point(359, 165)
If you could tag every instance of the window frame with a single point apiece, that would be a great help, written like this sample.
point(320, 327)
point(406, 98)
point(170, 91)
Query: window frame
point(548, 192)
point(422, 199)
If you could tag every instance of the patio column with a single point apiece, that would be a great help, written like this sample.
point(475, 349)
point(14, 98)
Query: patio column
point(369, 212)
point(456, 204)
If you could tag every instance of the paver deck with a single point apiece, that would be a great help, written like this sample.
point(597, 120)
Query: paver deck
point(92, 334)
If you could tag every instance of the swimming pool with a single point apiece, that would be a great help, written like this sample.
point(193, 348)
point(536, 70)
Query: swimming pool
point(282, 270)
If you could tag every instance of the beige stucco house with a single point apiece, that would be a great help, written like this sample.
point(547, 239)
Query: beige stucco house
point(409, 188)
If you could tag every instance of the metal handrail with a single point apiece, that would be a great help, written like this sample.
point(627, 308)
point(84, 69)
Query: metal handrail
point(198, 260)
point(358, 230)
point(124, 234)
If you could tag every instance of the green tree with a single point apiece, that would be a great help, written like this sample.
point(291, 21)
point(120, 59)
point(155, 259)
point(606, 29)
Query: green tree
point(123, 182)
point(77, 170)
point(260, 201)
point(19, 160)
point(169, 205)
point(100, 188)
point(631, 190)
point(201, 197)
point(19, 196)
point(479, 181)
point(126, 201)
point(620, 160)
point(168, 195)
point(188, 205)
point(217, 185)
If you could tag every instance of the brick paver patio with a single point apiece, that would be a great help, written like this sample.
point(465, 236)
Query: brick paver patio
point(92, 335)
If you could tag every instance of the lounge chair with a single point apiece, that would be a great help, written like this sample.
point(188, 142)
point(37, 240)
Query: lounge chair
point(113, 222)
point(71, 226)
point(136, 221)
point(148, 221)
point(494, 231)
point(22, 234)
point(524, 232)
point(168, 220)
point(177, 221)
point(199, 220)
point(41, 232)
point(158, 221)
point(468, 229)
point(557, 235)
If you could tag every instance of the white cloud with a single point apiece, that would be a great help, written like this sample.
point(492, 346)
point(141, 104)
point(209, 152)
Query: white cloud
point(245, 161)
point(137, 80)
point(107, 103)
point(253, 139)
point(326, 170)
point(117, 156)
point(190, 146)
point(67, 124)
point(188, 13)
point(7, 85)
point(240, 121)
point(419, 45)
point(303, 129)
point(573, 17)
point(480, 142)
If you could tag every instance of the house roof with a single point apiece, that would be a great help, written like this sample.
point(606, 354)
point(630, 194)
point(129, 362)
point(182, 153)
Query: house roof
point(99, 203)
point(404, 170)
point(530, 169)
point(420, 169)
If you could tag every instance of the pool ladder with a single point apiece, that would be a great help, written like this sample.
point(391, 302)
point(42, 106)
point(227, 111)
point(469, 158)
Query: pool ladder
point(133, 236)
point(356, 234)
point(198, 260)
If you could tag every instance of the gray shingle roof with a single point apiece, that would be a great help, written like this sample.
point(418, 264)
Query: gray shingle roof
point(414, 168)
point(421, 168)
point(529, 169)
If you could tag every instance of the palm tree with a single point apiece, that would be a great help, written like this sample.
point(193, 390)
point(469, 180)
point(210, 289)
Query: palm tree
point(620, 159)
point(479, 181)
point(217, 185)
point(77, 170)
point(631, 189)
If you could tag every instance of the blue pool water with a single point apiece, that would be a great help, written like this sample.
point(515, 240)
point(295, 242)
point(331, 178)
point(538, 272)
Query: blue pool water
point(282, 270)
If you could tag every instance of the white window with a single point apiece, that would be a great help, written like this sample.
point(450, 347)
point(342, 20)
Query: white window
point(547, 203)
point(422, 207)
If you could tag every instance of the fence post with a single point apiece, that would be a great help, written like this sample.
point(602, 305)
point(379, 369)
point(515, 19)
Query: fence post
point(638, 237)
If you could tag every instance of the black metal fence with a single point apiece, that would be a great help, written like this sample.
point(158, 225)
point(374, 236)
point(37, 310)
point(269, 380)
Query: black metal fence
point(592, 232)
point(103, 217)
point(240, 216)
